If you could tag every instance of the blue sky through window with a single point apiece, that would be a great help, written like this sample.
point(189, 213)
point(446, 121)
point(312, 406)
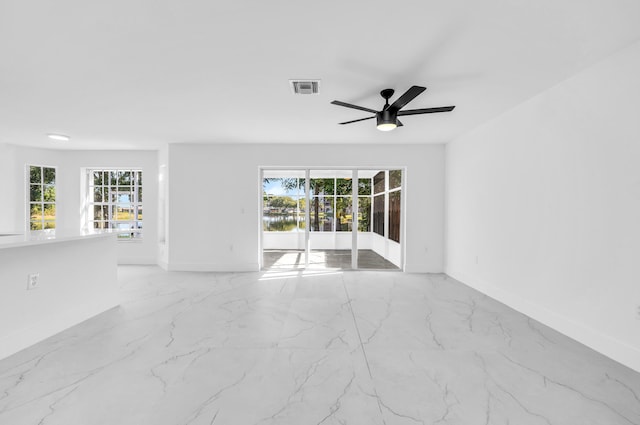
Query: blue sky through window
point(274, 187)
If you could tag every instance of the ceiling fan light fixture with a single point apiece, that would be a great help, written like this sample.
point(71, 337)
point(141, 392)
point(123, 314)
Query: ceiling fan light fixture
point(386, 126)
point(386, 121)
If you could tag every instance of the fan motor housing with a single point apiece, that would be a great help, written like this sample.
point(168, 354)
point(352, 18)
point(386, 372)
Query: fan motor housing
point(386, 117)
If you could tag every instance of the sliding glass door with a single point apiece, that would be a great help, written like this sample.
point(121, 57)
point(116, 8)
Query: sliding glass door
point(283, 219)
point(331, 217)
point(318, 218)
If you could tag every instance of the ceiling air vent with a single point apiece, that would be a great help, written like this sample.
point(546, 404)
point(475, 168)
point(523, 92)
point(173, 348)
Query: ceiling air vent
point(305, 86)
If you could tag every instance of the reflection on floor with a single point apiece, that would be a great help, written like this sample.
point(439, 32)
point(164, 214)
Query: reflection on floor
point(312, 347)
point(326, 259)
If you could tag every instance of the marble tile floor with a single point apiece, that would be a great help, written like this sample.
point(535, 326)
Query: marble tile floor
point(310, 348)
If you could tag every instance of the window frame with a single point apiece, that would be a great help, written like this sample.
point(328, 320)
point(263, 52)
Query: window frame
point(41, 202)
point(304, 245)
point(110, 202)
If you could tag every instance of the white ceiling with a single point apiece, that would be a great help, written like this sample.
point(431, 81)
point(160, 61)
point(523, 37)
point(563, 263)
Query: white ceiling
point(139, 74)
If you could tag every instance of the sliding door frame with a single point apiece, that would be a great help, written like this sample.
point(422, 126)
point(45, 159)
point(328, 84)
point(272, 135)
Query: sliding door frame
point(355, 209)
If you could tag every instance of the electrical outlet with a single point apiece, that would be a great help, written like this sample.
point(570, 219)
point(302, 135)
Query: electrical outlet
point(32, 280)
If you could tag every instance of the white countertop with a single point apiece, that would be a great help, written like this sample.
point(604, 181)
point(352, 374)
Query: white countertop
point(15, 239)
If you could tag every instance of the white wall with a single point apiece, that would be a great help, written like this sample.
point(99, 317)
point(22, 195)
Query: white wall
point(543, 207)
point(214, 216)
point(13, 211)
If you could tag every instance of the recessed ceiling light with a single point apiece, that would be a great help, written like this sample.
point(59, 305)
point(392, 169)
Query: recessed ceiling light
point(60, 137)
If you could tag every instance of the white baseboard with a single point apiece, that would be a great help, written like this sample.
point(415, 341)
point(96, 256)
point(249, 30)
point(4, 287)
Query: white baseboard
point(602, 343)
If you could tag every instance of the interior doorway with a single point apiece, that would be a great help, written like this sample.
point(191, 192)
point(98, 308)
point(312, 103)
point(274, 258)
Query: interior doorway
point(319, 219)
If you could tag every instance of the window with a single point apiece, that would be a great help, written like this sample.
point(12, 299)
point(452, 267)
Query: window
point(378, 182)
point(344, 205)
point(378, 202)
point(395, 184)
point(322, 204)
point(331, 204)
point(364, 205)
point(387, 183)
point(42, 197)
point(283, 202)
point(115, 201)
point(378, 214)
point(395, 179)
point(394, 216)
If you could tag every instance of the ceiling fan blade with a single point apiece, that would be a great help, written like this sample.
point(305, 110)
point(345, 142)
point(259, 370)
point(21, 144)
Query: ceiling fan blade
point(349, 105)
point(399, 123)
point(426, 110)
point(361, 119)
point(407, 97)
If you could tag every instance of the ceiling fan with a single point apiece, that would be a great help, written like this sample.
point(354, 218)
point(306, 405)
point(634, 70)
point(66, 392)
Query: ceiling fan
point(387, 118)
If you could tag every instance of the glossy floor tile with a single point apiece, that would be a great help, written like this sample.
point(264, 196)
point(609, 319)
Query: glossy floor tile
point(316, 347)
